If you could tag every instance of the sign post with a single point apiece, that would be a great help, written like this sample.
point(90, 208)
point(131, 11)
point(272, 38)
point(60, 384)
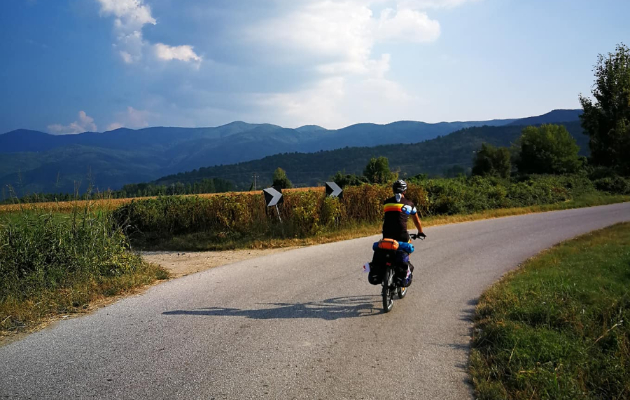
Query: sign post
point(333, 190)
point(273, 197)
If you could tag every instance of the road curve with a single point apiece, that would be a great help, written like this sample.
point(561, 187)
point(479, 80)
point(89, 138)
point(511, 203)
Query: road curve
point(302, 324)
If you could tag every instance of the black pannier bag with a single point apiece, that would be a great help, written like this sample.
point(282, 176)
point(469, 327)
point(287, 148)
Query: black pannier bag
point(380, 259)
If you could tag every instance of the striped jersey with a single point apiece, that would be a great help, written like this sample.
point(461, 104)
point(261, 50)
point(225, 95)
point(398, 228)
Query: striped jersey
point(397, 211)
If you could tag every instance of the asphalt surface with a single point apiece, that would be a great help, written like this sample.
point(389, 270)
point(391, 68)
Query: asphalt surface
point(301, 324)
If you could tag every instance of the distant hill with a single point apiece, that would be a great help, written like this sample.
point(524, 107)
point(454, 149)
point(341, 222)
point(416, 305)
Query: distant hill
point(34, 161)
point(431, 157)
point(552, 117)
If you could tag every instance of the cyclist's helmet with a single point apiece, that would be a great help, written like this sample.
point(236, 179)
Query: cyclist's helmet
point(399, 186)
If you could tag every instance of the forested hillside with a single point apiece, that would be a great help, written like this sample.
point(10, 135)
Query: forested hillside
point(36, 162)
point(430, 157)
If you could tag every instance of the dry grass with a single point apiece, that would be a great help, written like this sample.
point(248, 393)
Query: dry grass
point(199, 242)
point(112, 204)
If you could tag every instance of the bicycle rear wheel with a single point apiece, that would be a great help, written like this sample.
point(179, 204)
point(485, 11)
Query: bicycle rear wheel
point(388, 292)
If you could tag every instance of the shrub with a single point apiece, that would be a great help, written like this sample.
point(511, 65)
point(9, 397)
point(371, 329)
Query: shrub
point(614, 185)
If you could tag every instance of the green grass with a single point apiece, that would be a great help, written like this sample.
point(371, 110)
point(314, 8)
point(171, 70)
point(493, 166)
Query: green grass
point(559, 326)
point(52, 264)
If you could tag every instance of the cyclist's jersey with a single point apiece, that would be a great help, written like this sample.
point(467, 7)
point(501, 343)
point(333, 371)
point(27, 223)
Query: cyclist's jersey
point(397, 211)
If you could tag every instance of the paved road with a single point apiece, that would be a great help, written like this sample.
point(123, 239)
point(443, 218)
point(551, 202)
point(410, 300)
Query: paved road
point(300, 324)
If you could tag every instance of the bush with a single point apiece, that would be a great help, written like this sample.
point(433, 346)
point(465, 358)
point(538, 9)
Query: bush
point(614, 185)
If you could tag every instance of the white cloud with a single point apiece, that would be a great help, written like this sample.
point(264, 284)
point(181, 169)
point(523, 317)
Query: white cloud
point(426, 4)
point(182, 53)
point(337, 102)
point(84, 124)
point(130, 18)
point(131, 15)
point(407, 25)
point(335, 39)
point(131, 118)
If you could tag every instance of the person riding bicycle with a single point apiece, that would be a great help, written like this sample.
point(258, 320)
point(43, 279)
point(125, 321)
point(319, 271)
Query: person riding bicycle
point(397, 211)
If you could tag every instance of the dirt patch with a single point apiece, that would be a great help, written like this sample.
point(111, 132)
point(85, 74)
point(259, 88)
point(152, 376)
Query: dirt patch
point(184, 263)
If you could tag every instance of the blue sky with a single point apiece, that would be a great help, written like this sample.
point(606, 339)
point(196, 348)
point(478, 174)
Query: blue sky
point(76, 65)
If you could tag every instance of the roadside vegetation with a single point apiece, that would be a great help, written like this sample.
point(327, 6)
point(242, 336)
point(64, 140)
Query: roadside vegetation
point(57, 264)
point(559, 326)
point(241, 220)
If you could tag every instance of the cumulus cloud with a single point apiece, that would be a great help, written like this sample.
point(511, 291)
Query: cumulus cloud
point(336, 40)
point(130, 14)
point(283, 61)
point(338, 36)
point(131, 118)
point(182, 53)
point(130, 17)
point(337, 102)
point(426, 4)
point(85, 123)
point(407, 25)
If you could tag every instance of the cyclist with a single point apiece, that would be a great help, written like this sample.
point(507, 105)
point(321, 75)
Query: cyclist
point(397, 211)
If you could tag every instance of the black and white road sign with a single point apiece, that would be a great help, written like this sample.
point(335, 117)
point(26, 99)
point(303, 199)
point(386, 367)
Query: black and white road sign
point(273, 197)
point(333, 190)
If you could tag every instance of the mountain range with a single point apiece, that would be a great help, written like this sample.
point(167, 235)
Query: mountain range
point(32, 161)
point(432, 157)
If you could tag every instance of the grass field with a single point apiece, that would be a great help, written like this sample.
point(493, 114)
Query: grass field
point(559, 326)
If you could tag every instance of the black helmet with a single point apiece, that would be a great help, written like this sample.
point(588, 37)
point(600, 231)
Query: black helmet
point(399, 186)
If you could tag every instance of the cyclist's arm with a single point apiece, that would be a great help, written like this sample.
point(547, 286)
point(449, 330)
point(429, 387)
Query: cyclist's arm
point(416, 222)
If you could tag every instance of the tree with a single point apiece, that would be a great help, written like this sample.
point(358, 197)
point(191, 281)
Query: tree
point(492, 161)
point(342, 179)
point(607, 120)
point(548, 149)
point(377, 171)
point(280, 179)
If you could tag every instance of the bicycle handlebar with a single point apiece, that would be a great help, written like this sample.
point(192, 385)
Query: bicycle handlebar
point(420, 236)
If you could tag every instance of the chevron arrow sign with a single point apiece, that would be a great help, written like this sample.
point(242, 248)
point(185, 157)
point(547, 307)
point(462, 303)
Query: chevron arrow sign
point(273, 197)
point(333, 190)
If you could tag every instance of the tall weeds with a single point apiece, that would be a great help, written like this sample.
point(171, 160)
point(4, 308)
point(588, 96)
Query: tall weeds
point(237, 217)
point(51, 263)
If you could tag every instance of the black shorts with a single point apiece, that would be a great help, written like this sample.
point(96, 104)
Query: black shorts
point(401, 237)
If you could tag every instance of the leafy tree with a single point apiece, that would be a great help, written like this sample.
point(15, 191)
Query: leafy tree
point(492, 161)
point(548, 149)
point(280, 179)
point(607, 120)
point(342, 179)
point(377, 171)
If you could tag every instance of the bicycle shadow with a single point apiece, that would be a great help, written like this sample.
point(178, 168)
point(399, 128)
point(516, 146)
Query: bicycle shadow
point(330, 309)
